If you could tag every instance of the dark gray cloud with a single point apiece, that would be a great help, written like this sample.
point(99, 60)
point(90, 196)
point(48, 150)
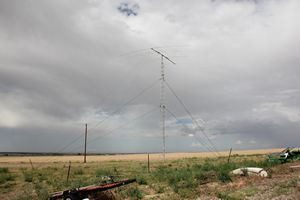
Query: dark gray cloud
point(66, 63)
point(129, 9)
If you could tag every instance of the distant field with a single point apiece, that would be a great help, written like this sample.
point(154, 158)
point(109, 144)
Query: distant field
point(125, 157)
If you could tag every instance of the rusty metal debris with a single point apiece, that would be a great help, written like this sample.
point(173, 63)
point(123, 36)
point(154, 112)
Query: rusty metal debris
point(84, 192)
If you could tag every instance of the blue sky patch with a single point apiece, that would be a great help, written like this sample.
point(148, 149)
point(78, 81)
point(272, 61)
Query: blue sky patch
point(184, 121)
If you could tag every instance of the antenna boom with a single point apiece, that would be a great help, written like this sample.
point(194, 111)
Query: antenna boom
point(163, 56)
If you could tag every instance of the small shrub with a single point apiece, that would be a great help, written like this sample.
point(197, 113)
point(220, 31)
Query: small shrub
point(200, 176)
point(28, 176)
point(160, 190)
point(141, 180)
point(6, 177)
point(224, 176)
point(3, 170)
point(41, 176)
point(134, 193)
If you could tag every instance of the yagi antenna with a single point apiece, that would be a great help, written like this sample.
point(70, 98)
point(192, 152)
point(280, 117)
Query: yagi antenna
point(162, 98)
point(163, 56)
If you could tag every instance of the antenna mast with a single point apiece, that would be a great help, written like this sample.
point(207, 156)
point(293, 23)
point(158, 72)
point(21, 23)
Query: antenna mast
point(162, 99)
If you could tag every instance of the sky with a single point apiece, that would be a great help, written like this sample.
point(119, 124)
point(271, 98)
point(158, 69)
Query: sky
point(65, 63)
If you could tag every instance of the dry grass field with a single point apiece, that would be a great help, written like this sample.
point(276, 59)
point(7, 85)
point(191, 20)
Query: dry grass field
point(126, 157)
point(182, 176)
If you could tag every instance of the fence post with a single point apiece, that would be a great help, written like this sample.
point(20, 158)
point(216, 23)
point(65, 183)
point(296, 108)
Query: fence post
point(31, 164)
point(148, 163)
point(229, 155)
point(69, 171)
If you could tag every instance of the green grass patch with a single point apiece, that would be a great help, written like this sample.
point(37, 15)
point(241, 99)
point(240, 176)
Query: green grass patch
point(141, 180)
point(134, 193)
point(28, 176)
point(3, 170)
point(6, 177)
point(78, 171)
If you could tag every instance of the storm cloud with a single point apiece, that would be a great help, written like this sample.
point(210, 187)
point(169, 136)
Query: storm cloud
point(66, 63)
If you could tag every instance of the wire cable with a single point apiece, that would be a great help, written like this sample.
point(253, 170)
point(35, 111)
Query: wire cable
point(69, 144)
point(191, 116)
point(121, 126)
point(176, 118)
point(125, 104)
point(199, 140)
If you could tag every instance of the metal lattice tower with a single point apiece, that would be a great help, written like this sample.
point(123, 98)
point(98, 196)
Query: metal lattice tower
point(162, 99)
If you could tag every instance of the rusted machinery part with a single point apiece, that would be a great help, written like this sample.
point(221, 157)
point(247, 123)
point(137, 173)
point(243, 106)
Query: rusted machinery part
point(83, 192)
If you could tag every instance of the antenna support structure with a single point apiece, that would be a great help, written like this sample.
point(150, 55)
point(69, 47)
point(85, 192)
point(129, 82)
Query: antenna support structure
point(162, 99)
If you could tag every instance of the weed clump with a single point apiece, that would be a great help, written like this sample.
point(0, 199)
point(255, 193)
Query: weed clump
point(3, 170)
point(28, 176)
point(141, 180)
point(134, 193)
point(223, 176)
point(5, 176)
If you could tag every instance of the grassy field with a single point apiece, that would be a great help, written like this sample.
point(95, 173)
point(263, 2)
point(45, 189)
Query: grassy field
point(182, 176)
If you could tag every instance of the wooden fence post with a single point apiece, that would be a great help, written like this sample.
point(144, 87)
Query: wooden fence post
point(69, 171)
point(31, 164)
point(148, 163)
point(229, 155)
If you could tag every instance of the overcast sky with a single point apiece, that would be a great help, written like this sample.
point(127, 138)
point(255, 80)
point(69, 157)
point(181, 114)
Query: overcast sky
point(64, 63)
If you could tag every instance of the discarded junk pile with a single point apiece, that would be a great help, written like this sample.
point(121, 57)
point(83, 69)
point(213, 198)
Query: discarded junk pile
point(83, 193)
point(287, 155)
